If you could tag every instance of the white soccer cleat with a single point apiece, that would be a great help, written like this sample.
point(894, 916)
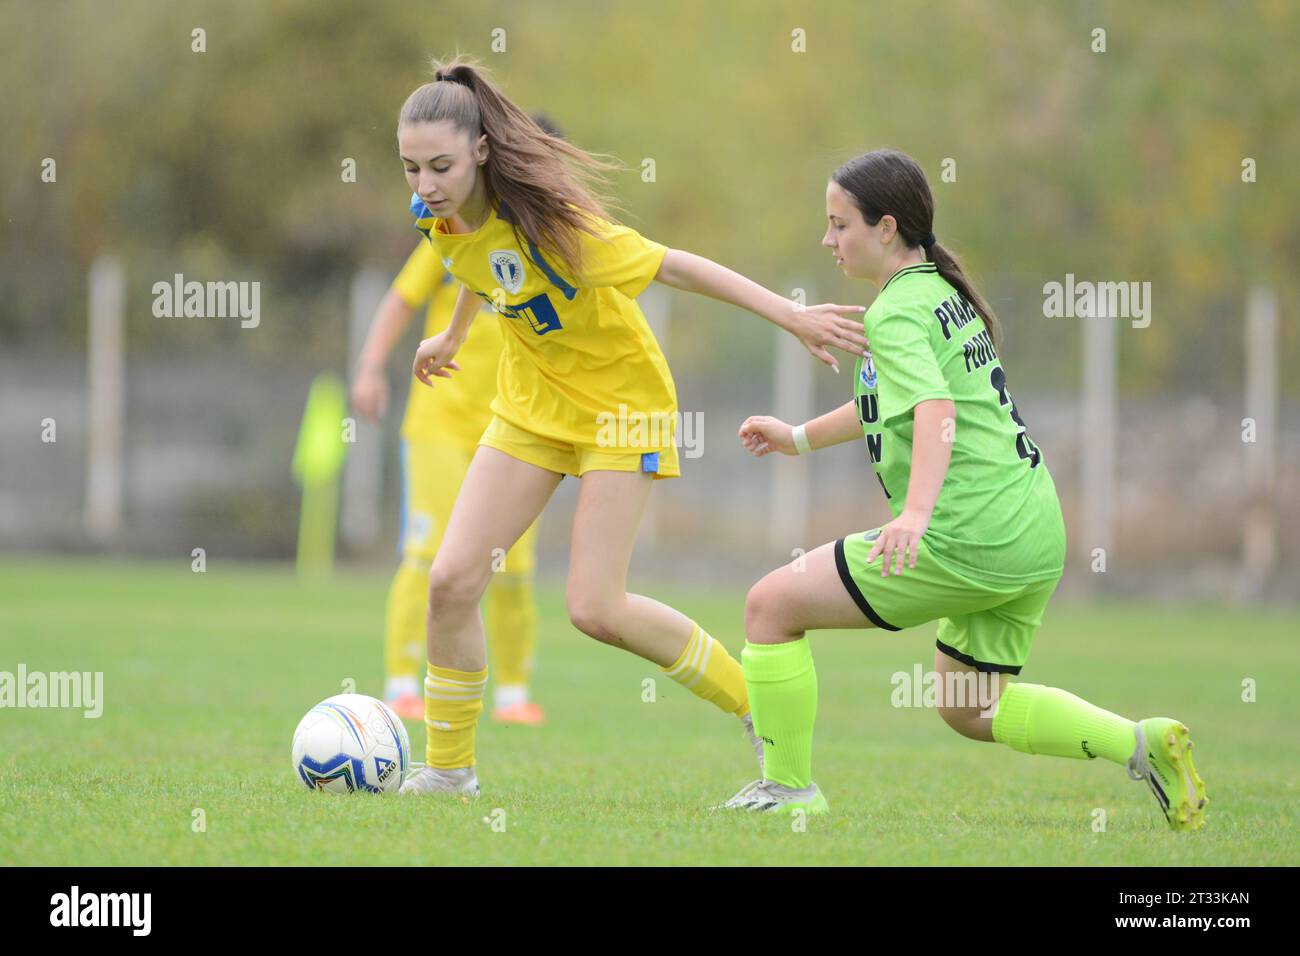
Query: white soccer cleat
point(742, 796)
point(461, 782)
point(754, 740)
point(768, 796)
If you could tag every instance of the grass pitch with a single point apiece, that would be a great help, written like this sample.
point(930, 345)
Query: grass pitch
point(206, 675)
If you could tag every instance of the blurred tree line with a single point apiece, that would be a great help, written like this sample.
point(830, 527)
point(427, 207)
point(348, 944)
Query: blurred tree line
point(1122, 165)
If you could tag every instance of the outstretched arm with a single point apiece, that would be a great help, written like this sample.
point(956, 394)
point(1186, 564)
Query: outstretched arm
point(933, 422)
point(370, 383)
point(762, 434)
point(816, 326)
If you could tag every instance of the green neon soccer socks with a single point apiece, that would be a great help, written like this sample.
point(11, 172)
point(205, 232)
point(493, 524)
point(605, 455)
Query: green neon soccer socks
point(1035, 719)
point(782, 685)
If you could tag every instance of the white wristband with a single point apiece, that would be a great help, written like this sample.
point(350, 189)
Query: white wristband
point(800, 438)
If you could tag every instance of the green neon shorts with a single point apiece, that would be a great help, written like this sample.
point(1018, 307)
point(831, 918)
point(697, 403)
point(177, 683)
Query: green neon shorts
point(987, 626)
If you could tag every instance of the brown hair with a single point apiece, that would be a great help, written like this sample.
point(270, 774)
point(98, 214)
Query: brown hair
point(886, 181)
point(550, 185)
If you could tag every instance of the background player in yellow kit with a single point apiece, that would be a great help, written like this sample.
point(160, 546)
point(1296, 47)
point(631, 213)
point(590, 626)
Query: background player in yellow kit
point(440, 430)
point(513, 215)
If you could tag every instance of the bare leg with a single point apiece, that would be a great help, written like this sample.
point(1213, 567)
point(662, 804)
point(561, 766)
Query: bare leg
point(805, 595)
point(500, 497)
point(610, 505)
point(969, 708)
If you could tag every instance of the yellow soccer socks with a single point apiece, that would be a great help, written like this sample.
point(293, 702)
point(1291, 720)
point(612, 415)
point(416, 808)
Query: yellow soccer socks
point(710, 673)
point(453, 701)
point(1035, 719)
point(404, 651)
point(510, 617)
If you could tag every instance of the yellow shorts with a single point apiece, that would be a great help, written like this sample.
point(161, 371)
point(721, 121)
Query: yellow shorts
point(577, 460)
point(432, 473)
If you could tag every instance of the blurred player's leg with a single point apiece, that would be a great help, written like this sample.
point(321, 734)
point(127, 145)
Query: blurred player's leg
point(510, 615)
point(432, 473)
point(403, 646)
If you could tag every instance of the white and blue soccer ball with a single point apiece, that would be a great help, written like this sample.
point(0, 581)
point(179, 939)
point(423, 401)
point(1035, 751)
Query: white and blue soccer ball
point(349, 743)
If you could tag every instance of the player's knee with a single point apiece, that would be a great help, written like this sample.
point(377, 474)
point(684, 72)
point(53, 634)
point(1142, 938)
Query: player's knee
point(594, 617)
point(963, 720)
point(452, 588)
point(763, 604)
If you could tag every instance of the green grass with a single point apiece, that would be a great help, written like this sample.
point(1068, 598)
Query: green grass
point(206, 676)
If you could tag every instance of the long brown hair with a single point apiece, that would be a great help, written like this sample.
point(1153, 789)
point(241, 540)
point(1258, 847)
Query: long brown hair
point(889, 182)
point(550, 186)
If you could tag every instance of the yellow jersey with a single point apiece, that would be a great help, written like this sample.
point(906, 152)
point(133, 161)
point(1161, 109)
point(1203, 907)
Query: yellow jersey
point(458, 409)
point(577, 351)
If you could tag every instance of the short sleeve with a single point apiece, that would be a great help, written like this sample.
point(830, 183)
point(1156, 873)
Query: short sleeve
point(622, 259)
point(420, 276)
point(905, 364)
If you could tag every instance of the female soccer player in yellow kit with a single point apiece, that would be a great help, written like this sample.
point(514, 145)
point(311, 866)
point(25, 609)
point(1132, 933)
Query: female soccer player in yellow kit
point(582, 390)
point(440, 430)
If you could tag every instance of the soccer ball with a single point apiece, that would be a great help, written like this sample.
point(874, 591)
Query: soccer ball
point(351, 742)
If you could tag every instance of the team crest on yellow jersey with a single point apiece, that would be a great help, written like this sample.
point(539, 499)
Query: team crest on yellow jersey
point(508, 269)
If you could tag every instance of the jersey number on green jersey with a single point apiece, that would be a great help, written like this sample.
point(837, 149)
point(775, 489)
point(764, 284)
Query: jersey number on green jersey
point(1024, 447)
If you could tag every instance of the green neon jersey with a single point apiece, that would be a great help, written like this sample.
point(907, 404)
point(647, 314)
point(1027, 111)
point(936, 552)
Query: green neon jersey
point(997, 516)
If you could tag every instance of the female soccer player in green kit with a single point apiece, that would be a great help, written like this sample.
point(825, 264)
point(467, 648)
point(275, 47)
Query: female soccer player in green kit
point(977, 538)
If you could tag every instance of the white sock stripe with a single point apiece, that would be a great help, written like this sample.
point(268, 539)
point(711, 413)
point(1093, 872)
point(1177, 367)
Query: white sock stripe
point(690, 669)
point(695, 672)
point(481, 682)
point(454, 688)
point(459, 685)
point(459, 698)
point(708, 650)
point(701, 652)
point(689, 653)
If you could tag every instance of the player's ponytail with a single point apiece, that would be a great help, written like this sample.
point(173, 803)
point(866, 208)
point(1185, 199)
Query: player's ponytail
point(550, 186)
point(886, 181)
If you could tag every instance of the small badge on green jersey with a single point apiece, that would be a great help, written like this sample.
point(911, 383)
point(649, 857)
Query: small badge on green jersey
point(868, 373)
